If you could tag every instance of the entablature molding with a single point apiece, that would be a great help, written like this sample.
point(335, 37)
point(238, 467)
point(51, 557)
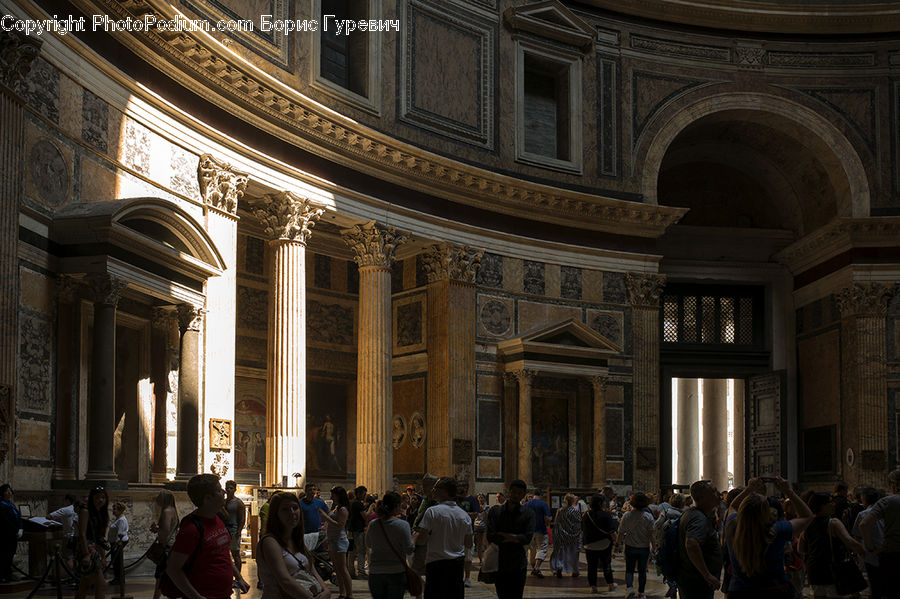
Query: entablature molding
point(839, 236)
point(219, 76)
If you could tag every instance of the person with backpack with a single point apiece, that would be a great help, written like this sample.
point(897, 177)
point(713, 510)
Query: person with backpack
point(599, 529)
point(699, 550)
point(667, 551)
point(756, 541)
point(200, 565)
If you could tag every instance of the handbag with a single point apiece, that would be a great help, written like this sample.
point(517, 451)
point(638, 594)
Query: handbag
point(490, 564)
point(156, 553)
point(308, 581)
point(414, 584)
point(600, 544)
point(847, 577)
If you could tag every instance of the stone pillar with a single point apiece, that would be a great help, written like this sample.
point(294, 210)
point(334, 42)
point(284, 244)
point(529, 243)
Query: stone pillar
point(510, 427)
point(190, 323)
point(688, 465)
point(373, 246)
point(220, 187)
point(106, 290)
point(740, 445)
point(161, 325)
point(598, 470)
point(450, 333)
point(17, 52)
point(715, 432)
point(644, 291)
point(864, 383)
point(288, 220)
point(67, 346)
point(525, 378)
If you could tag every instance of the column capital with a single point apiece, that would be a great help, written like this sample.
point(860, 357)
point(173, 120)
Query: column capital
point(287, 217)
point(448, 261)
point(17, 52)
point(870, 299)
point(68, 288)
point(106, 288)
point(220, 185)
point(599, 382)
point(190, 318)
point(373, 244)
point(162, 317)
point(524, 376)
point(644, 290)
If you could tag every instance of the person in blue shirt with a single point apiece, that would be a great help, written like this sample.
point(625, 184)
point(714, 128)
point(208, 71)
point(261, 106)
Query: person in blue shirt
point(537, 552)
point(310, 504)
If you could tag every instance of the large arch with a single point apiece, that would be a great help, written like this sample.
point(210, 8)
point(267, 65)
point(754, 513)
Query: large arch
point(808, 128)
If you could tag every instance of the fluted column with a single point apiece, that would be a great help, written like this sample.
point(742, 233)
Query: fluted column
point(863, 355)
point(740, 444)
point(190, 323)
point(715, 432)
point(373, 247)
point(106, 290)
point(644, 291)
point(688, 465)
point(450, 333)
point(598, 468)
point(525, 378)
point(288, 220)
point(67, 341)
point(163, 319)
point(510, 426)
point(17, 52)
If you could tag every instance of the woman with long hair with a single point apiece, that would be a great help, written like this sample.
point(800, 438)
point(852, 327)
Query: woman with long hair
point(338, 543)
point(566, 537)
point(636, 532)
point(282, 557)
point(824, 542)
point(165, 527)
point(757, 536)
point(93, 522)
point(388, 534)
point(599, 529)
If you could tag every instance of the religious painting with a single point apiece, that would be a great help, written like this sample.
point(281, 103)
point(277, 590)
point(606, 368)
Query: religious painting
point(408, 425)
point(326, 428)
point(249, 429)
point(550, 440)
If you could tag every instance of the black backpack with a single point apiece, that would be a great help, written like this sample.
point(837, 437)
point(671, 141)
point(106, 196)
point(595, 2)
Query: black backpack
point(166, 585)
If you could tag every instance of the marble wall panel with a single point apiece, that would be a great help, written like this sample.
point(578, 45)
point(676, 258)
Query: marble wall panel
point(513, 274)
point(570, 282)
point(534, 281)
point(489, 468)
point(339, 275)
point(615, 470)
point(409, 324)
point(615, 431)
point(41, 89)
point(397, 276)
point(322, 271)
point(496, 317)
point(251, 253)
point(330, 323)
point(535, 314)
point(252, 308)
point(250, 351)
point(32, 440)
point(70, 107)
point(489, 384)
point(819, 365)
point(490, 273)
point(135, 147)
point(98, 181)
point(490, 426)
point(183, 172)
point(94, 121)
point(36, 292)
point(610, 324)
point(408, 425)
point(36, 337)
point(614, 288)
point(552, 280)
point(592, 285)
point(49, 165)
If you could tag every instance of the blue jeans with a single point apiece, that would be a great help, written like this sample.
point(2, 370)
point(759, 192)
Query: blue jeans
point(636, 556)
point(387, 586)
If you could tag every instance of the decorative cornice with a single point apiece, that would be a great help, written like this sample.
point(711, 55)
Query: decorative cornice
point(190, 318)
point(644, 290)
point(287, 217)
point(839, 235)
point(870, 299)
point(225, 79)
point(220, 185)
point(373, 245)
point(105, 288)
point(17, 52)
point(448, 261)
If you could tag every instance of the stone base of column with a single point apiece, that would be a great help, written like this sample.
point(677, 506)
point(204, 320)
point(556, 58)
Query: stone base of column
point(63, 474)
point(156, 477)
point(98, 475)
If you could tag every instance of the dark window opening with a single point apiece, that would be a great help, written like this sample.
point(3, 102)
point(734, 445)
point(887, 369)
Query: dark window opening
point(345, 58)
point(546, 107)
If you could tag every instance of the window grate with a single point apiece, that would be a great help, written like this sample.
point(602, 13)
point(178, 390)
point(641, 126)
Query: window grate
point(724, 317)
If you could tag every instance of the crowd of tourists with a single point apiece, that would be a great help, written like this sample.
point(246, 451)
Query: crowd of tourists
point(762, 539)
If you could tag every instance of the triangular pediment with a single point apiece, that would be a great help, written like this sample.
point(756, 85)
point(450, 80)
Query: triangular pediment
point(564, 348)
point(551, 20)
point(569, 333)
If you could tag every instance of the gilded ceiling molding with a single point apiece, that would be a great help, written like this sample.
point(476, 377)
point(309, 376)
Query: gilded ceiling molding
point(448, 261)
point(237, 86)
point(220, 185)
point(839, 235)
point(287, 217)
point(17, 52)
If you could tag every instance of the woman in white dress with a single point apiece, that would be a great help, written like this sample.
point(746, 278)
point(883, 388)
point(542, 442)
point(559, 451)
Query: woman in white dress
point(285, 565)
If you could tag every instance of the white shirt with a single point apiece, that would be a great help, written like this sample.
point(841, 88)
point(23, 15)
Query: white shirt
point(447, 525)
point(118, 530)
point(67, 517)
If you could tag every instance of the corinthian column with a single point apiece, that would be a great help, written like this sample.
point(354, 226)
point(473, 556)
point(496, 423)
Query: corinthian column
point(190, 323)
point(863, 355)
point(17, 52)
point(374, 246)
point(715, 432)
point(688, 467)
point(106, 290)
point(525, 379)
point(67, 342)
point(598, 469)
point(644, 291)
point(288, 220)
point(451, 273)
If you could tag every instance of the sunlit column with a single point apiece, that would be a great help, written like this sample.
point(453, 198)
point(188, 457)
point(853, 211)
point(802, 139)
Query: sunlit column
point(688, 439)
point(107, 291)
point(715, 432)
point(288, 220)
point(190, 323)
point(373, 247)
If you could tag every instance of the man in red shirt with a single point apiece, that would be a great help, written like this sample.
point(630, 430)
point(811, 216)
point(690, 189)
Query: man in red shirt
point(212, 569)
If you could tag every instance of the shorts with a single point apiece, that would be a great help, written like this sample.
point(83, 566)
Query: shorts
point(340, 545)
point(539, 545)
point(236, 542)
